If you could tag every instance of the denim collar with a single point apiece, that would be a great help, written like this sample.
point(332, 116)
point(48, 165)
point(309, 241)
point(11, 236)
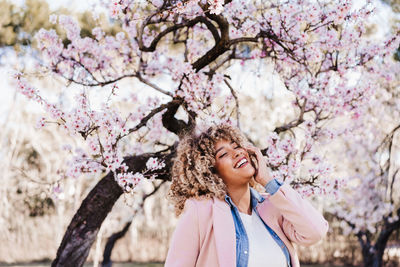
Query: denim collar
point(255, 199)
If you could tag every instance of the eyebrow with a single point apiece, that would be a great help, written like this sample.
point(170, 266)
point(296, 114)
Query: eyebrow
point(219, 149)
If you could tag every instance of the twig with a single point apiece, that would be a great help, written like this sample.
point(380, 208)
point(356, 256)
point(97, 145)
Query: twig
point(236, 101)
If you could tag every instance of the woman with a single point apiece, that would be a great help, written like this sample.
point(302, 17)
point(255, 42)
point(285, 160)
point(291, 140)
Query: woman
point(224, 221)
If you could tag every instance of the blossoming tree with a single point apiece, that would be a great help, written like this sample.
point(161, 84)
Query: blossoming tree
point(315, 47)
point(369, 205)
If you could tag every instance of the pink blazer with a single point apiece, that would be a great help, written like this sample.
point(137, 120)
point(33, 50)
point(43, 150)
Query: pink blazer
point(205, 234)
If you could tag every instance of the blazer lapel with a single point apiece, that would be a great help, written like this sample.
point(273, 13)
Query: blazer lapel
point(224, 232)
point(272, 221)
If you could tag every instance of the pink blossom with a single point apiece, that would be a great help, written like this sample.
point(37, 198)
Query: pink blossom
point(71, 27)
point(311, 56)
point(53, 18)
point(40, 122)
point(157, 3)
point(216, 6)
point(98, 33)
point(128, 181)
point(154, 164)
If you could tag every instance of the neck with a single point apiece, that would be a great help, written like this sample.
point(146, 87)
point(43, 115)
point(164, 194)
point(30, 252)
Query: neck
point(241, 197)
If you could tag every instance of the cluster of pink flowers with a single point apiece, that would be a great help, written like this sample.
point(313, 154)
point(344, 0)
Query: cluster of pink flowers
point(281, 157)
point(116, 7)
point(26, 89)
point(154, 164)
point(198, 91)
point(187, 9)
point(326, 187)
point(317, 50)
point(41, 122)
point(80, 163)
point(366, 194)
point(369, 164)
point(284, 159)
point(216, 6)
point(101, 129)
point(128, 180)
point(50, 44)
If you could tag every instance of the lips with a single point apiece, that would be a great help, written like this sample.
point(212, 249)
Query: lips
point(241, 163)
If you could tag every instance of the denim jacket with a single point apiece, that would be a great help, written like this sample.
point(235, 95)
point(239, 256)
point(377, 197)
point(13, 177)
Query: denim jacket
point(242, 241)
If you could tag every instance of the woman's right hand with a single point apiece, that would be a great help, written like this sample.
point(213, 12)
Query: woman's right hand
point(262, 173)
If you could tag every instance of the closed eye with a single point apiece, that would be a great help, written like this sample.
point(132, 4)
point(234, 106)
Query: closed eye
point(236, 147)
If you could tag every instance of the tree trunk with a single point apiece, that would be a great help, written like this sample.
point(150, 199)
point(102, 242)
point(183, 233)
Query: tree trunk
point(85, 224)
point(116, 236)
point(82, 230)
point(110, 245)
point(373, 255)
point(368, 258)
point(373, 258)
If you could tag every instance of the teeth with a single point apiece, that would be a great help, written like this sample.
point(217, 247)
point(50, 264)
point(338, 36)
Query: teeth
point(241, 162)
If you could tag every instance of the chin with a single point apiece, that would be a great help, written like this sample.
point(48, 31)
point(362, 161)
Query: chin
point(250, 171)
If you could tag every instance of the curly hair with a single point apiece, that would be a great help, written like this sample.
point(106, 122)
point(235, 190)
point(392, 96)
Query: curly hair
point(193, 171)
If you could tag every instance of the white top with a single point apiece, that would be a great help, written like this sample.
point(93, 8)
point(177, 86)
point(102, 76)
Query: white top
point(263, 249)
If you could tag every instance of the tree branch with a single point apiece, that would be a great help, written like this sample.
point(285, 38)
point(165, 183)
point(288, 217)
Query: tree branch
point(85, 224)
point(144, 121)
point(173, 28)
point(152, 85)
point(294, 123)
point(171, 123)
point(236, 101)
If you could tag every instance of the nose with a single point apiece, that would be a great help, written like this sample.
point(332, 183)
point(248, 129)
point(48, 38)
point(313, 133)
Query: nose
point(237, 153)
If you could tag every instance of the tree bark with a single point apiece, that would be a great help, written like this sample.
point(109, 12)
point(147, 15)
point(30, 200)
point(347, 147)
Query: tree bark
point(116, 236)
point(82, 231)
point(373, 255)
point(110, 245)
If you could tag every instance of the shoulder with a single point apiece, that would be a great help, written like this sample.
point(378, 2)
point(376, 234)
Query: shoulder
point(198, 205)
point(198, 211)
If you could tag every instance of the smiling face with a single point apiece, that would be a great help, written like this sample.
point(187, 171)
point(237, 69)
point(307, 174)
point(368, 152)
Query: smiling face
point(232, 163)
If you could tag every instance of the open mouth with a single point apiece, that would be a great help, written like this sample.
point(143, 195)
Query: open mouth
point(241, 163)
